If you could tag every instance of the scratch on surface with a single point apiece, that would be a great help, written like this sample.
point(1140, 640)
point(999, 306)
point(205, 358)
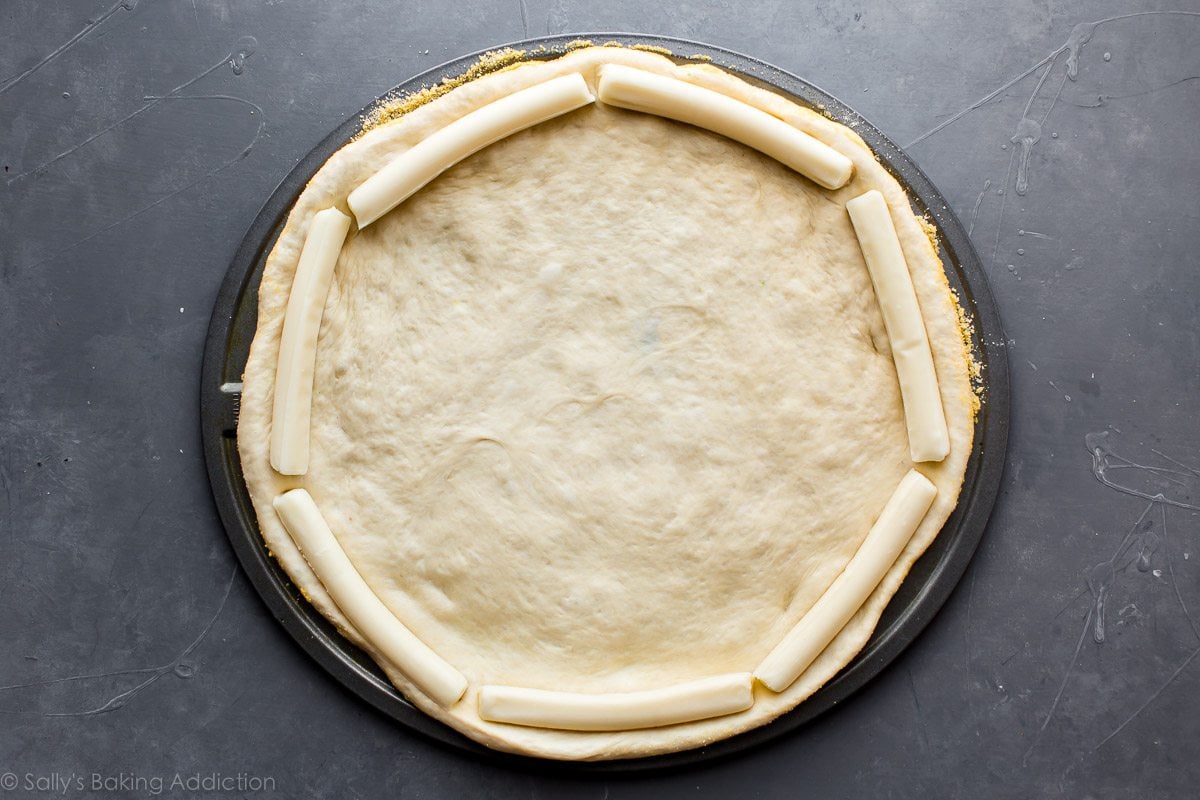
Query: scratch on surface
point(152, 101)
point(1061, 688)
point(1029, 127)
point(912, 688)
point(1003, 200)
point(138, 519)
point(1079, 36)
point(1029, 132)
point(72, 678)
point(177, 665)
point(967, 635)
point(1171, 571)
point(987, 184)
point(1102, 576)
point(1101, 99)
point(524, 19)
point(1099, 580)
point(1163, 455)
point(262, 123)
point(133, 527)
point(50, 599)
point(1105, 461)
point(1066, 606)
point(556, 18)
point(1149, 700)
point(987, 98)
point(6, 483)
point(124, 5)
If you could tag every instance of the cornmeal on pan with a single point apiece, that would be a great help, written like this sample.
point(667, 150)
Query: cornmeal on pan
point(605, 402)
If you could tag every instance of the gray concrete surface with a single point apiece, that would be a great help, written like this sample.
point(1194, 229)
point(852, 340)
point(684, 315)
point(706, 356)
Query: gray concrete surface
point(134, 156)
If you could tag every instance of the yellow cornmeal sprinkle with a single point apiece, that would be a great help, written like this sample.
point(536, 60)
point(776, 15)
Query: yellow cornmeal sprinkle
point(391, 110)
point(930, 229)
point(651, 48)
point(974, 368)
point(965, 323)
point(577, 44)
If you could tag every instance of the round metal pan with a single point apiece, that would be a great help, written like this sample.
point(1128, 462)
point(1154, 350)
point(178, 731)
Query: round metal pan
point(924, 590)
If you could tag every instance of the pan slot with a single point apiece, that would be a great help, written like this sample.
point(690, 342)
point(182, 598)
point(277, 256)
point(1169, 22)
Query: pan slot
point(231, 407)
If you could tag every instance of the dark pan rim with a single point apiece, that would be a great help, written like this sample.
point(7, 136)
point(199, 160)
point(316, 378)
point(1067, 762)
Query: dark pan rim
point(925, 589)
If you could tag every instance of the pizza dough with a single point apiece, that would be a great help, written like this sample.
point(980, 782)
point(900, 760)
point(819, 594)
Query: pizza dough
point(607, 406)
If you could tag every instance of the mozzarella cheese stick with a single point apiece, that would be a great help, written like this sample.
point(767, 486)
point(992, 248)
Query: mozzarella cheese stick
point(361, 606)
point(639, 90)
point(804, 642)
point(298, 344)
point(928, 439)
point(618, 711)
point(442, 149)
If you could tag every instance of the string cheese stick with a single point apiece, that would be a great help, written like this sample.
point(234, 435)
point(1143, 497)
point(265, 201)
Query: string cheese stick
point(623, 711)
point(435, 154)
point(298, 344)
point(361, 606)
point(928, 439)
point(845, 596)
point(647, 92)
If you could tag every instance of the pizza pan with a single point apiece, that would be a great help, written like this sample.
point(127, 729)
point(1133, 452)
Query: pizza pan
point(924, 590)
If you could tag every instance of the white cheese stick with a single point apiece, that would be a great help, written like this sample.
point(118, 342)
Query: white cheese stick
point(361, 606)
point(928, 439)
point(618, 711)
point(298, 344)
point(442, 149)
point(845, 596)
point(639, 90)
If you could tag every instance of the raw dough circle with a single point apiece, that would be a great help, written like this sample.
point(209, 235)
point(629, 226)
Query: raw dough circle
point(606, 406)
